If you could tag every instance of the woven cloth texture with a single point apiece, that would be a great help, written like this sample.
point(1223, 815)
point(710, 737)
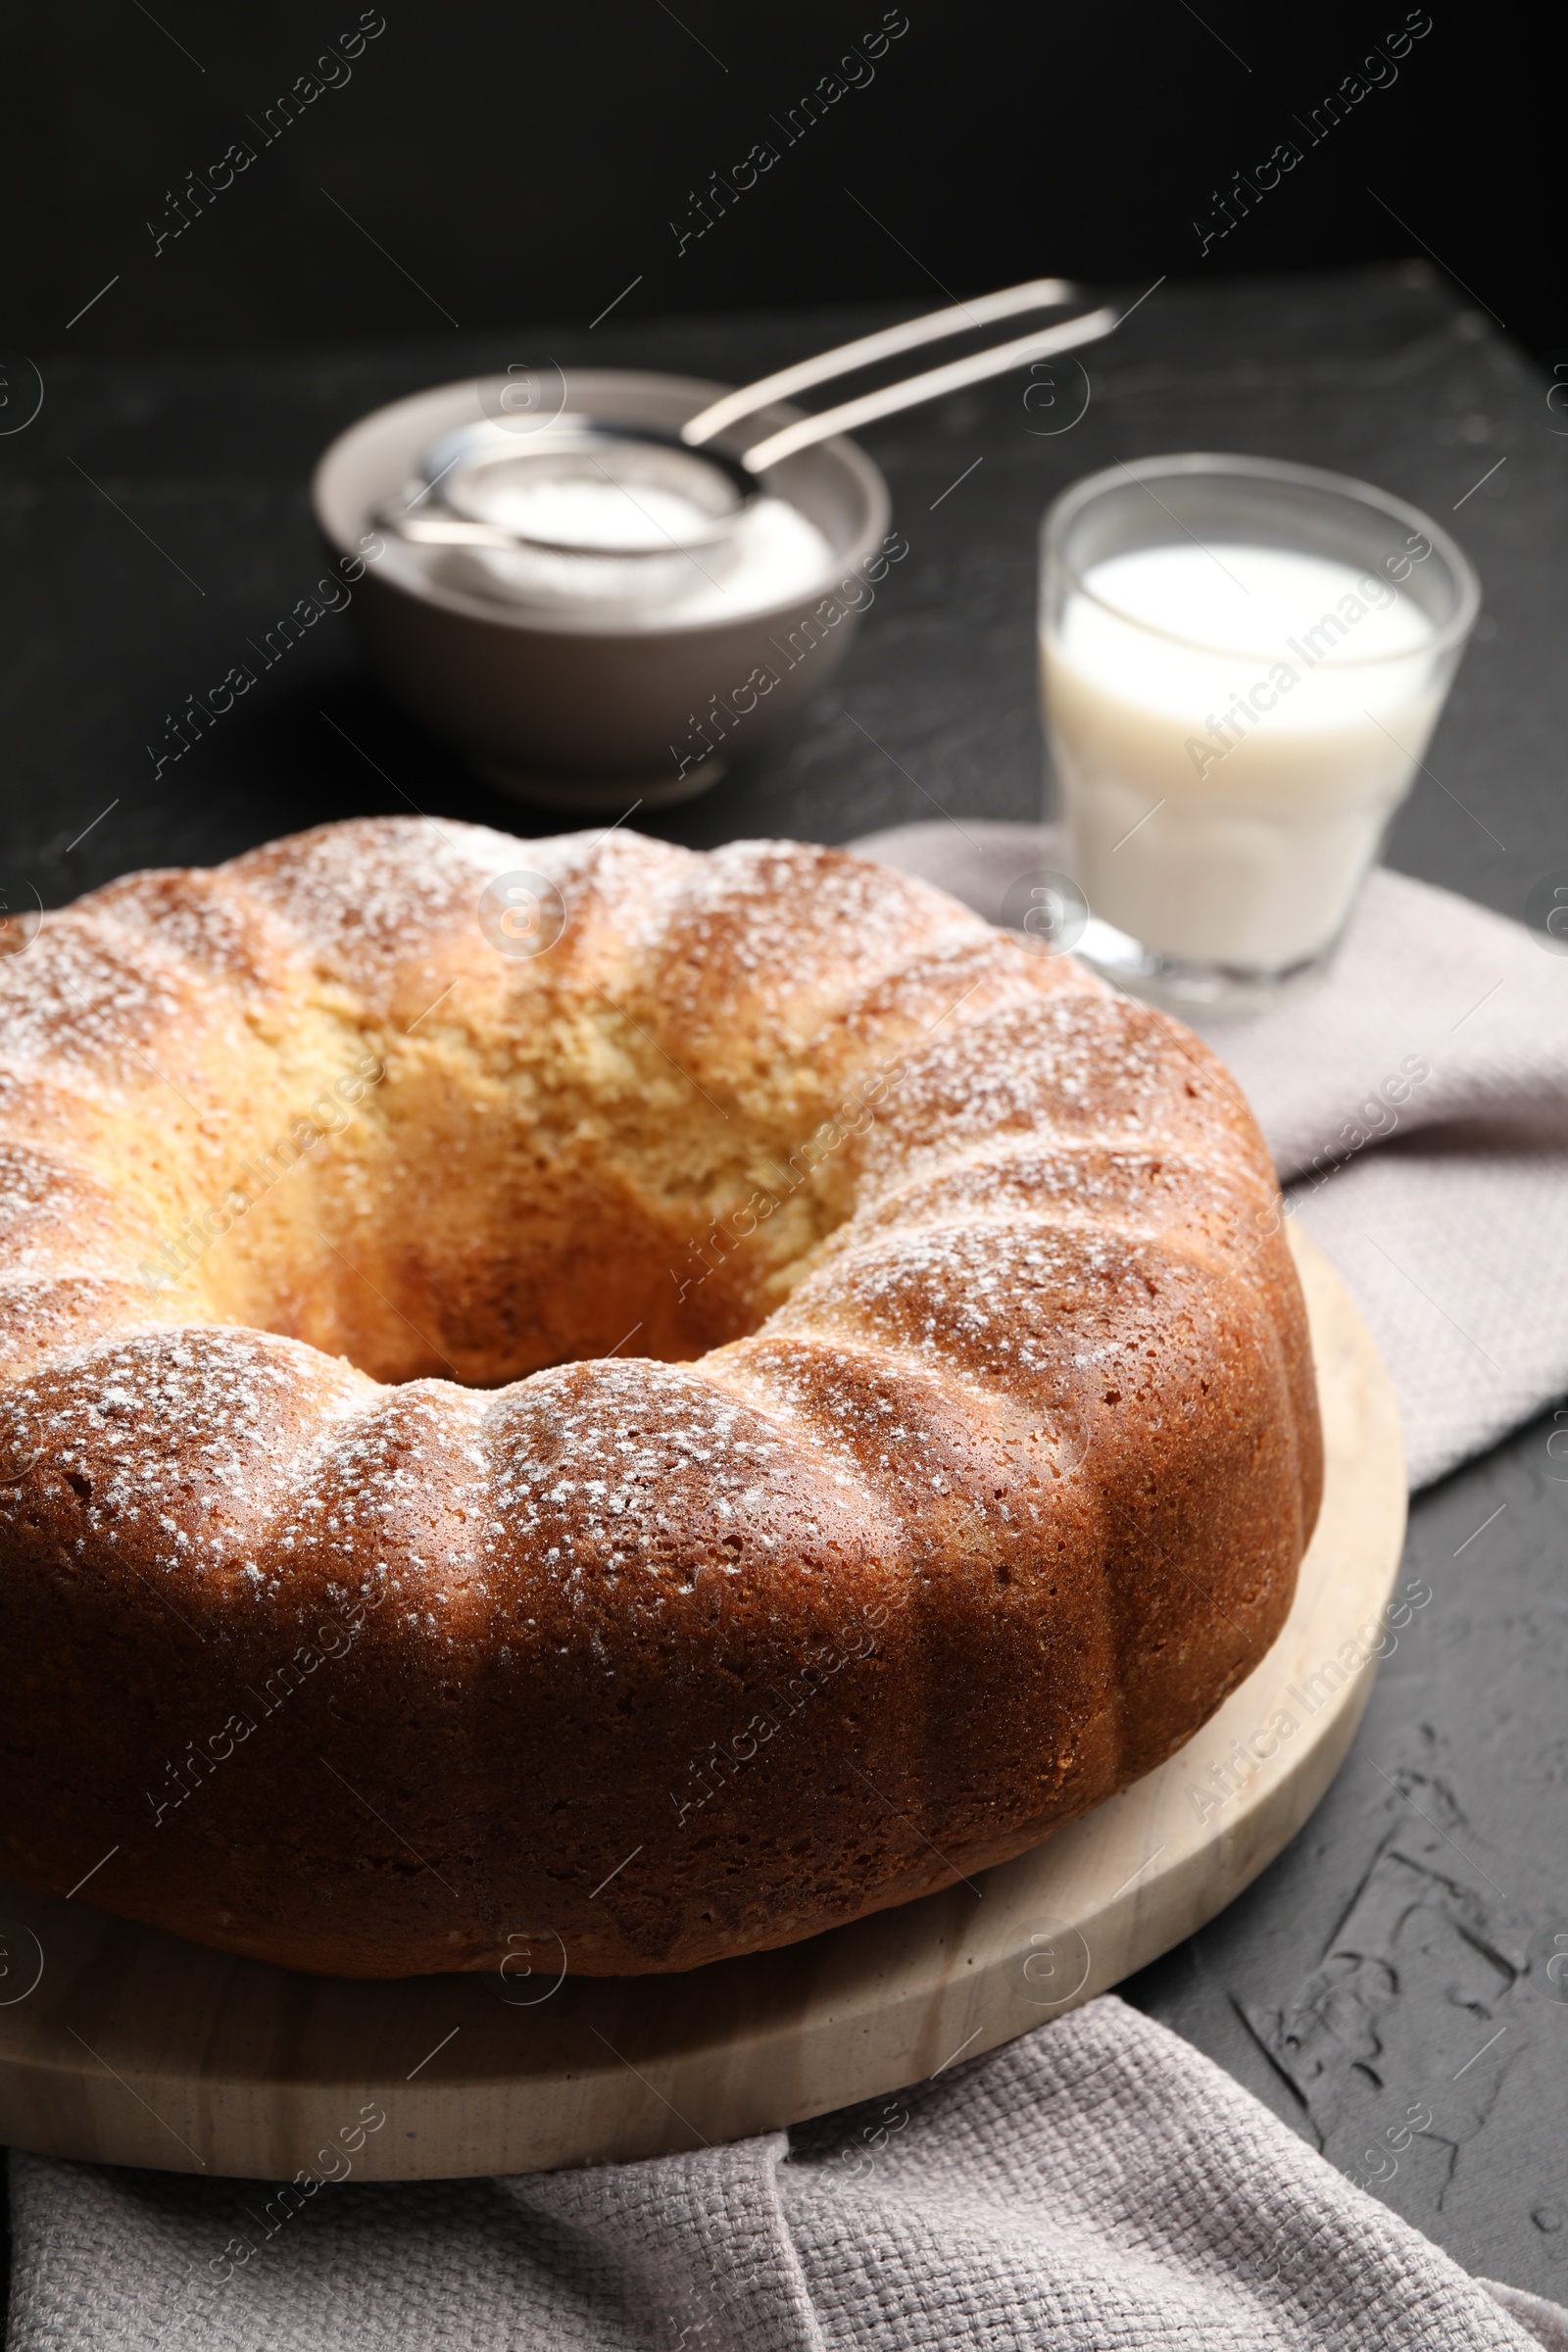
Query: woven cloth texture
point(1098, 2187)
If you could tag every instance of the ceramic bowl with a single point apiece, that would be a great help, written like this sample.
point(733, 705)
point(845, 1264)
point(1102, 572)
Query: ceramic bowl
point(552, 702)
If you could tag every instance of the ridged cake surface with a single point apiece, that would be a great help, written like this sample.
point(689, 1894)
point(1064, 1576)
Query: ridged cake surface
point(667, 1442)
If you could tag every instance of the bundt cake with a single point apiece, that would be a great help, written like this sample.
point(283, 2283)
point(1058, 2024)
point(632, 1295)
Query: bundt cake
point(578, 1390)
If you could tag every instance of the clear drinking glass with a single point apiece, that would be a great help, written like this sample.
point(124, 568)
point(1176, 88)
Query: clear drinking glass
point(1242, 664)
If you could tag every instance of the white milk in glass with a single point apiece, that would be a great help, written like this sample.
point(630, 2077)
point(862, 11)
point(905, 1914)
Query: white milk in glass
point(1233, 725)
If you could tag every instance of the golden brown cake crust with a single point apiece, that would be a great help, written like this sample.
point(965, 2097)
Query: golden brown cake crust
point(671, 1443)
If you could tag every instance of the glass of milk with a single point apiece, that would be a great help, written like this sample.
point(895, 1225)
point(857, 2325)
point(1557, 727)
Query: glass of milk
point(1241, 663)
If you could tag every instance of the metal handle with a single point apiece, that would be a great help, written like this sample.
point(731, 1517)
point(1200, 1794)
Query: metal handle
point(1039, 294)
point(915, 388)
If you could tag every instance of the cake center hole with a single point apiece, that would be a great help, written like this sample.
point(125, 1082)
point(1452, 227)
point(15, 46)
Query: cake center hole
point(477, 1223)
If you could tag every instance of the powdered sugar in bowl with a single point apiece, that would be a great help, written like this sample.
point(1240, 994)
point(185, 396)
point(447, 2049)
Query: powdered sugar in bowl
point(587, 676)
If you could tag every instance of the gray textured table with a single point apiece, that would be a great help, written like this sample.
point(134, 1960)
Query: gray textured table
point(154, 517)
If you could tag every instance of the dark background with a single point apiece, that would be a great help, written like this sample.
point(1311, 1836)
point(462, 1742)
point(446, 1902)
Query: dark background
point(525, 164)
point(499, 188)
point(510, 174)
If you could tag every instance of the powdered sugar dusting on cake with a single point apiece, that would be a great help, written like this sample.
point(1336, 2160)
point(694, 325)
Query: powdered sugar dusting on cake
point(614, 881)
point(384, 1506)
point(1096, 1067)
point(959, 985)
point(781, 933)
point(51, 1216)
point(175, 1440)
point(1212, 1202)
point(369, 894)
point(1008, 1303)
point(644, 1470)
point(904, 1425)
point(49, 1318)
point(192, 914)
point(83, 998)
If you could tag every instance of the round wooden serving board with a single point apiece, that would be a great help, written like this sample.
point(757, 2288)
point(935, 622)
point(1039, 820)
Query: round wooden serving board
point(123, 2045)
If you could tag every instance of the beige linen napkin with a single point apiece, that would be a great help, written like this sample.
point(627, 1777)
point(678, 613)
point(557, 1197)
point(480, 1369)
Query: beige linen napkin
point(1098, 2187)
